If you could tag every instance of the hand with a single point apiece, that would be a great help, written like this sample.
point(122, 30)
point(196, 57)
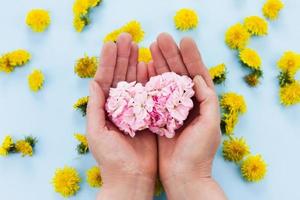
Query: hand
point(185, 161)
point(128, 165)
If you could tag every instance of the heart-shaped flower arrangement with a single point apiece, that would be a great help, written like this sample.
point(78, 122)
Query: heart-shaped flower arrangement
point(161, 105)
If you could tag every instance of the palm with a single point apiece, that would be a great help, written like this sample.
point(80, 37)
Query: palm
point(126, 153)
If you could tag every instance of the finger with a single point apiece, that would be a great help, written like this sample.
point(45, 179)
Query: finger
point(151, 69)
point(142, 73)
point(105, 72)
point(123, 53)
point(171, 53)
point(193, 61)
point(160, 63)
point(95, 110)
point(207, 98)
point(133, 60)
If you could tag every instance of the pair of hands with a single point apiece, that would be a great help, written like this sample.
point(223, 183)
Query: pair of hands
point(129, 166)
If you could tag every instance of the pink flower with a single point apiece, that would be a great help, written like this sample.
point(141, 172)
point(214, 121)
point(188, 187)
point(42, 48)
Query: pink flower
point(162, 105)
point(180, 103)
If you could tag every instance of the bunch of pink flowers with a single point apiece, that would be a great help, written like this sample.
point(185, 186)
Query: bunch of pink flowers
point(161, 105)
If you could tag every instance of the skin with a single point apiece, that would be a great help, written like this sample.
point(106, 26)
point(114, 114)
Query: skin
point(129, 166)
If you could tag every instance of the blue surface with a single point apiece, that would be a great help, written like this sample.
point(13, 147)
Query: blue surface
point(269, 128)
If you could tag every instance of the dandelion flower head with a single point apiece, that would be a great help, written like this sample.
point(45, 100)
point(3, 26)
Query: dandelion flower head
point(250, 58)
point(66, 181)
point(186, 19)
point(36, 80)
point(86, 67)
point(81, 104)
point(38, 20)
point(290, 94)
point(218, 73)
point(235, 149)
point(237, 36)
point(256, 25)
point(289, 62)
point(233, 102)
point(254, 168)
point(93, 177)
point(272, 8)
point(144, 55)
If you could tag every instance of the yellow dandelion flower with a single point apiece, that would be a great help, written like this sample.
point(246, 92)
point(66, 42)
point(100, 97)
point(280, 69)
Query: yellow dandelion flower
point(81, 138)
point(81, 104)
point(186, 19)
point(228, 122)
point(254, 168)
point(253, 78)
point(81, 7)
point(289, 62)
point(94, 3)
point(233, 102)
point(250, 58)
point(237, 36)
point(134, 28)
point(235, 149)
point(7, 142)
point(218, 73)
point(36, 80)
point(144, 55)
point(82, 147)
point(79, 23)
point(66, 181)
point(290, 94)
point(272, 8)
point(256, 25)
point(38, 20)
point(93, 177)
point(3, 152)
point(7, 146)
point(232, 105)
point(19, 57)
point(24, 148)
point(112, 36)
point(86, 67)
point(12, 59)
point(5, 65)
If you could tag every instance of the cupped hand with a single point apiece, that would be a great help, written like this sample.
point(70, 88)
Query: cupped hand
point(187, 158)
point(128, 165)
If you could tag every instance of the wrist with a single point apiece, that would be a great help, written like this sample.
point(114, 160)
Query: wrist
point(195, 189)
point(181, 181)
point(185, 173)
point(192, 184)
point(128, 187)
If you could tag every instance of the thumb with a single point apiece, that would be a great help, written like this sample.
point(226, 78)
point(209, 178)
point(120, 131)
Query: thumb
point(207, 99)
point(95, 110)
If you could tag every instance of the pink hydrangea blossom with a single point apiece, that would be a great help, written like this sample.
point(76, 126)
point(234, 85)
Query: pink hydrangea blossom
point(161, 105)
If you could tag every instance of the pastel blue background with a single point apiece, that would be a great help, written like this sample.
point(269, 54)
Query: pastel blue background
point(269, 128)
